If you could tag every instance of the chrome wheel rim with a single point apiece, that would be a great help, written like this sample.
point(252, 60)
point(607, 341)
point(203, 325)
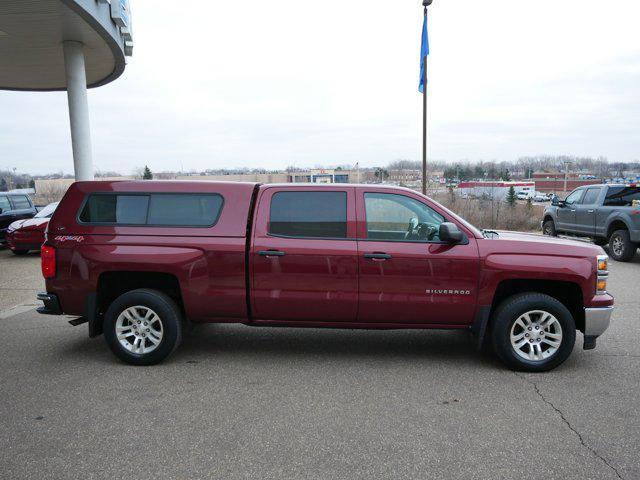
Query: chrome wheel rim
point(139, 329)
point(536, 335)
point(617, 246)
point(547, 230)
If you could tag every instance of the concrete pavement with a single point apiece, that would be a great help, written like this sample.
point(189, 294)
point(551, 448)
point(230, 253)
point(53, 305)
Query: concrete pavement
point(240, 402)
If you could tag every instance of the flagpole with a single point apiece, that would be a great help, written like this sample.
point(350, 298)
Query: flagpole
point(425, 4)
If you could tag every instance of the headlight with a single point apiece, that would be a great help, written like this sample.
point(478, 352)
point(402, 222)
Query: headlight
point(603, 274)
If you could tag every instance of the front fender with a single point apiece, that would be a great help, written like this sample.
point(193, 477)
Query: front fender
point(499, 267)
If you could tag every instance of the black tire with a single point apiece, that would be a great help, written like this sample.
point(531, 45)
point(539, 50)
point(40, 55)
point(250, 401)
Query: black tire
point(621, 248)
point(20, 252)
point(510, 310)
point(169, 315)
point(549, 228)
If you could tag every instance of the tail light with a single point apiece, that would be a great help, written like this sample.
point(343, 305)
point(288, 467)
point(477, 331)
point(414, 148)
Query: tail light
point(48, 261)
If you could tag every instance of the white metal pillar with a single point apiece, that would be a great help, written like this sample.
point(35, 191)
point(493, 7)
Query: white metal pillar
point(78, 109)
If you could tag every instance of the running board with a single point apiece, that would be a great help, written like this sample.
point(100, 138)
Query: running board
point(78, 321)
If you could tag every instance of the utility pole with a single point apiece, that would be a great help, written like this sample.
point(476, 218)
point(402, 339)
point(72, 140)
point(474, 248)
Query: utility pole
point(566, 174)
point(424, 53)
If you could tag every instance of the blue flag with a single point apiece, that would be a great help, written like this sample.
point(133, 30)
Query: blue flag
point(424, 51)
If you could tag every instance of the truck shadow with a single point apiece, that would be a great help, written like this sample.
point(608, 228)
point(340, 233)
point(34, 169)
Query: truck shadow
point(267, 343)
point(217, 343)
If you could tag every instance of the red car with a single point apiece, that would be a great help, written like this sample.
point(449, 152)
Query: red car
point(25, 235)
point(139, 260)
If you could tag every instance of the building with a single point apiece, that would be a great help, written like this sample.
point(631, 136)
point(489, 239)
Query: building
point(323, 176)
point(72, 45)
point(496, 190)
point(555, 181)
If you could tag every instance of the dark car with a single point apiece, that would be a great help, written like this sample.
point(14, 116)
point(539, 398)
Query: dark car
point(28, 234)
point(14, 206)
point(136, 260)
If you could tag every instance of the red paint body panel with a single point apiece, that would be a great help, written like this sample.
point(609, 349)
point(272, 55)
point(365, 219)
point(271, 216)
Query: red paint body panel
point(316, 280)
point(319, 282)
point(26, 234)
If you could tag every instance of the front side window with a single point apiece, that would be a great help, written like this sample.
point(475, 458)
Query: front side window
point(400, 218)
point(20, 202)
point(309, 214)
point(158, 209)
point(4, 204)
point(574, 197)
point(591, 196)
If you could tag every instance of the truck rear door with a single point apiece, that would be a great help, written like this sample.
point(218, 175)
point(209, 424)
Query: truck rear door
point(303, 258)
point(586, 211)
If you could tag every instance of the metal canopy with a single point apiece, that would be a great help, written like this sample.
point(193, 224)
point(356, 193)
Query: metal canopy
point(31, 36)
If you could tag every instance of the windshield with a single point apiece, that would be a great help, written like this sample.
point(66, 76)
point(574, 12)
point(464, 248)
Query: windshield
point(47, 211)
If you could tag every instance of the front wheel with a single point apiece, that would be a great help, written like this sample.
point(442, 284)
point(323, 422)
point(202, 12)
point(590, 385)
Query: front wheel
point(533, 332)
point(621, 248)
point(549, 228)
point(142, 327)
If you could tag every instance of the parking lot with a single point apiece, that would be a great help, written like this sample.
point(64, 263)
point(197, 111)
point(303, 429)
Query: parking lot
point(239, 402)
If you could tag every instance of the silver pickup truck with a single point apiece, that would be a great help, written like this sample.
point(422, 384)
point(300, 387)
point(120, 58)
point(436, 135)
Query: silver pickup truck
point(608, 214)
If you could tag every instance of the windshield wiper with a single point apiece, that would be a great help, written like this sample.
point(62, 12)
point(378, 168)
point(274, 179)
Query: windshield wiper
point(490, 233)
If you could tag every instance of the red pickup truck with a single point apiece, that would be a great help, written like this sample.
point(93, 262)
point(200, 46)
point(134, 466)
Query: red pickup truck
point(141, 260)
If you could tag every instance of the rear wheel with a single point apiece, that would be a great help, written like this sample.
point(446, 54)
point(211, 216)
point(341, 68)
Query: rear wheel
point(20, 252)
point(142, 327)
point(621, 248)
point(533, 332)
point(549, 228)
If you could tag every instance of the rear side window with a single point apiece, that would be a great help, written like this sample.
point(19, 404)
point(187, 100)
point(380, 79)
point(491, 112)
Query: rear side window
point(157, 209)
point(621, 196)
point(20, 202)
point(184, 210)
point(591, 196)
point(309, 214)
point(4, 204)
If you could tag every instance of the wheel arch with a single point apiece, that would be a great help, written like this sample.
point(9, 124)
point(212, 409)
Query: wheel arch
point(568, 293)
point(112, 284)
point(616, 224)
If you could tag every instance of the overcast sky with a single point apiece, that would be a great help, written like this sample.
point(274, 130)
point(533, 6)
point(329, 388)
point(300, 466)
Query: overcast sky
point(287, 82)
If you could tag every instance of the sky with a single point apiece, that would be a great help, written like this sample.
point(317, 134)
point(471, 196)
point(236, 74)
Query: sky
point(259, 84)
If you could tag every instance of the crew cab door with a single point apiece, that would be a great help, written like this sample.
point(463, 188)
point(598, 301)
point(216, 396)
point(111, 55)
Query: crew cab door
point(566, 214)
point(586, 212)
point(407, 276)
point(303, 260)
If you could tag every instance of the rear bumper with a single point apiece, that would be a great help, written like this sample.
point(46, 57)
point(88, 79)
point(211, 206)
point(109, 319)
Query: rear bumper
point(51, 304)
point(596, 320)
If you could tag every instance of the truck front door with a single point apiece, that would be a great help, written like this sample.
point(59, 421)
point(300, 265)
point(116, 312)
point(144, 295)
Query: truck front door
point(303, 259)
point(407, 276)
point(566, 214)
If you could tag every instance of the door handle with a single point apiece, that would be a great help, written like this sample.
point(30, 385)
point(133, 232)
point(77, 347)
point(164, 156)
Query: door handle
point(590, 211)
point(271, 253)
point(377, 256)
point(573, 210)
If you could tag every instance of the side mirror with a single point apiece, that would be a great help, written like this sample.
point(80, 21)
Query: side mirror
point(556, 202)
point(450, 233)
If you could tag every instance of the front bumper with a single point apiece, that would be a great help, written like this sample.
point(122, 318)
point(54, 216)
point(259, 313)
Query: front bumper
point(596, 320)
